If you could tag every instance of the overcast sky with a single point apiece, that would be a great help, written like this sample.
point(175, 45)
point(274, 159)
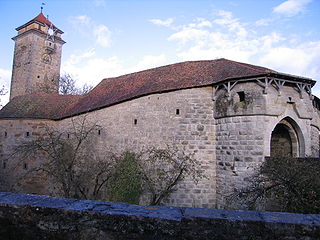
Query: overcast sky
point(108, 38)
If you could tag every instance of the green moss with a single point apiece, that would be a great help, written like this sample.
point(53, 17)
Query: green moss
point(241, 104)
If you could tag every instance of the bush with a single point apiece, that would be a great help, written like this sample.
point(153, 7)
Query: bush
point(125, 185)
point(285, 184)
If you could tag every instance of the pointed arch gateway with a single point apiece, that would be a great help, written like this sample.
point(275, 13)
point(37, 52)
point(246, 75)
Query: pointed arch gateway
point(287, 139)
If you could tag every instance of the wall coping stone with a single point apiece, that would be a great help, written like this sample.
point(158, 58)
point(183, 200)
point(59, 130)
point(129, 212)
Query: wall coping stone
point(38, 216)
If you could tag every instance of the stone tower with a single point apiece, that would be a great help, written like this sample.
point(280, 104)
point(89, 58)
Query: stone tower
point(37, 58)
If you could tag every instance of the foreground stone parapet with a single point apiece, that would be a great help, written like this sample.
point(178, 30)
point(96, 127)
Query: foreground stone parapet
point(25, 216)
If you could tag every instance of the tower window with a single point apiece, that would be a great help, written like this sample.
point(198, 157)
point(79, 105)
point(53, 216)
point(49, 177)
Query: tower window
point(27, 134)
point(38, 76)
point(5, 134)
point(99, 132)
point(177, 111)
point(241, 96)
point(135, 121)
point(4, 165)
point(25, 166)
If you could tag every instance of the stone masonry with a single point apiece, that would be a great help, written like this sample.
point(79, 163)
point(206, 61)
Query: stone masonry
point(230, 115)
point(181, 118)
point(37, 59)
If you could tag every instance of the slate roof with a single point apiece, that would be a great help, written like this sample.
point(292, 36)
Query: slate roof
point(111, 91)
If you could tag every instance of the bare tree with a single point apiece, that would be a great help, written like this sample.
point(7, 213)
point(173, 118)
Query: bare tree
point(163, 169)
point(67, 85)
point(78, 169)
point(86, 88)
point(3, 91)
point(69, 159)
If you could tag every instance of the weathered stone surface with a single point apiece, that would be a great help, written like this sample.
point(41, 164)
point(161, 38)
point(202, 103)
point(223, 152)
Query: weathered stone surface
point(41, 217)
point(35, 69)
point(229, 137)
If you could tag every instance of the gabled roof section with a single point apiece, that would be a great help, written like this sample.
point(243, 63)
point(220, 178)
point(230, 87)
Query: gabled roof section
point(42, 20)
point(111, 91)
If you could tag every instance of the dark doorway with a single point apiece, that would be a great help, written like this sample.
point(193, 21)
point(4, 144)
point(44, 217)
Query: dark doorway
point(281, 142)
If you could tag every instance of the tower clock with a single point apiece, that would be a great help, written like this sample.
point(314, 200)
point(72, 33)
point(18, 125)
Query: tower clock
point(37, 58)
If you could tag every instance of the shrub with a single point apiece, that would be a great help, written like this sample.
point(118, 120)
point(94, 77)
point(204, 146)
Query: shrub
point(125, 184)
point(285, 184)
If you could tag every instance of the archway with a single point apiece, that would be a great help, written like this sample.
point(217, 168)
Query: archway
point(286, 140)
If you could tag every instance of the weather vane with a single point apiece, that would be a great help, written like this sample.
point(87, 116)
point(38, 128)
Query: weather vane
point(42, 4)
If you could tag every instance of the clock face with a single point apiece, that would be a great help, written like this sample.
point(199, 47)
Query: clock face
point(46, 58)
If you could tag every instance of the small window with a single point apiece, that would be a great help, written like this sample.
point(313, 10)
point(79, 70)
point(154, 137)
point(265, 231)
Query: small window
point(177, 111)
point(68, 136)
point(135, 121)
point(38, 76)
point(5, 134)
point(241, 96)
point(25, 166)
point(4, 165)
point(99, 132)
point(27, 134)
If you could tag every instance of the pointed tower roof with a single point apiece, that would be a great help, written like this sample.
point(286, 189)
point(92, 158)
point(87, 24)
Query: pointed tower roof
point(41, 19)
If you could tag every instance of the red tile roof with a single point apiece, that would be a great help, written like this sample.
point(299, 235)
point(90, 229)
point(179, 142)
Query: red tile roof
point(42, 19)
point(111, 91)
point(47, 106)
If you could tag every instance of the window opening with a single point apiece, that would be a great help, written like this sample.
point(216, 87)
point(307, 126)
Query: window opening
point(25, 166)
point(290, 100)
point(99, 132)
point(27, 134)
point(135, 121)
point(241, 96)
point(177, 111)
point(5, 134)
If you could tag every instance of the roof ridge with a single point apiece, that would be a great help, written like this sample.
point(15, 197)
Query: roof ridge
point(163, 66)
point(247, 65)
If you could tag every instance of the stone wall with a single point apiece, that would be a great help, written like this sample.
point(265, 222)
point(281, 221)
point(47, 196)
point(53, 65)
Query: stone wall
point(240, 151)
point(181, 118)
point(13, 170)
point(42, 217)
point(230, 133)
point(315, 141)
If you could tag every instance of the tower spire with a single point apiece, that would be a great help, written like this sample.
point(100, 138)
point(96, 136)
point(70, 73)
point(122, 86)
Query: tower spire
point(42, 4)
